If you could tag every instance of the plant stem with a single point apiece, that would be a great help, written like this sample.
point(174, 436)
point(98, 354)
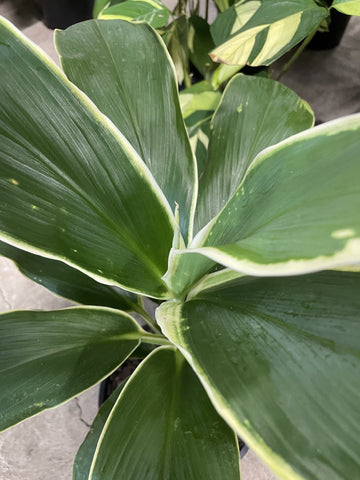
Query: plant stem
point(187, 78)
point(207, 10)
point(147, 318)
point(298, 52)
point(155, 339)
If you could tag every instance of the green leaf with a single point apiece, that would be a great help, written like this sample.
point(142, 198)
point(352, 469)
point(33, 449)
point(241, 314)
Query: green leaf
point(67, 282)
point(99, 6)
point(349, 7)
point(186, 268)
point(200, 44)
point(222, 74)
point(86, 452)
point(153, 12)
point(214, 279)
point(98, 56)
point(280, 360)
point(296, 210)
point(254, 113)
point(164, 426)
point(70, 181)
point(258, 32)
point(176, 39)
point(223, 4)
point(47, 358)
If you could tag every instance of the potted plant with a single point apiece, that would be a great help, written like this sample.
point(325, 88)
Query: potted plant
point(256, 330)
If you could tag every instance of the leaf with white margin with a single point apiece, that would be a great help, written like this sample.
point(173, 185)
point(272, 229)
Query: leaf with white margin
point(72, 187)
point(254, 113)
point(297, 209)
point(258, 32)
point(47, 358)
point(153, 12)
point(280, 360)
point(98, 56)
point(67, 282)
point(163, 426)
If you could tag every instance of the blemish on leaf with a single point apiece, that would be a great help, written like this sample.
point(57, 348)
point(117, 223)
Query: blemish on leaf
point(239, 109)
point(13, 181)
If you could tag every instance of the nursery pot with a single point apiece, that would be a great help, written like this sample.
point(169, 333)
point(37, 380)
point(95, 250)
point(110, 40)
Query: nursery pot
point(108, 385)
point(332, 38)
point(63, 13)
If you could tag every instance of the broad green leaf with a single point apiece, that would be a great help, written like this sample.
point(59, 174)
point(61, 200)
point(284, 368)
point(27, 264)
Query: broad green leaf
point(258, 32)
point(254, 113)
point(98, 56)
point(297, 210)
point(85, 454)
point(68, 282)
point(164, 426)
point(153, 12)
point(70, 182)
point(47, 358)
point(349, 7)
point(280, 360)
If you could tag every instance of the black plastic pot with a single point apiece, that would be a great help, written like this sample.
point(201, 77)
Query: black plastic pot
point(108, 385)
point(63, 13)
point(332, 38)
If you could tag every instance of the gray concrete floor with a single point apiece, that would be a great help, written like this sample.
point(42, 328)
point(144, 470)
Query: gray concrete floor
point(44, 447)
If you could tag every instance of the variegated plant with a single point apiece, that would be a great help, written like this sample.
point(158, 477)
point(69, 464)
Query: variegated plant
point(257, 330)
point(246, 32)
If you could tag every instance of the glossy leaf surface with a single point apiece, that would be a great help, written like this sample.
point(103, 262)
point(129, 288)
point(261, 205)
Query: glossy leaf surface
point(164, 426)
point(349, 7)
point(47, 358)
point(70, 182)
point(68, 282)
point(138, 92)
point(153, 12)
point(297, 210)
point(280, 359)
point(258, 32)
point(255, 113)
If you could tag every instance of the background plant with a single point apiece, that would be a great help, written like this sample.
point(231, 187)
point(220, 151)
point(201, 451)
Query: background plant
point(247, 32)
point(254, 334)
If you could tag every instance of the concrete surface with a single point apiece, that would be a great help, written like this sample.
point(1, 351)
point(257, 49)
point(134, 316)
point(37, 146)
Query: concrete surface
point(44, 447)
